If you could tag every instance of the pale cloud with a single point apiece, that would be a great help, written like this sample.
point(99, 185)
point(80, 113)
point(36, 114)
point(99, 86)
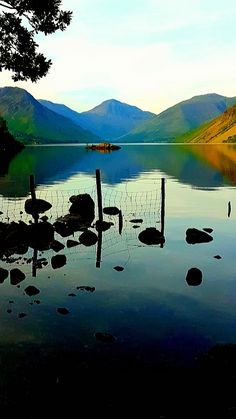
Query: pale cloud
point(152, 54)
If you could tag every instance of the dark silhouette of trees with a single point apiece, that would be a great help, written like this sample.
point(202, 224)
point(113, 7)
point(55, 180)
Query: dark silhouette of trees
point(20, 21)
point(8, 144)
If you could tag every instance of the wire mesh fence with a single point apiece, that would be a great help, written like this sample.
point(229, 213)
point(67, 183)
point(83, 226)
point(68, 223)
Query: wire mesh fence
point(138, 210)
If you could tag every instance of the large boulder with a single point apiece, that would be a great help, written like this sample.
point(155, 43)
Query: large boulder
point(193, 236)
point(36, 206)
point(40, 236)
point(83, 206)
point(151, 236)
point(194, 277)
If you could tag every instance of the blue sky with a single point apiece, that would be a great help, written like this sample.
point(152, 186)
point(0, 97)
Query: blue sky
point(148, 53)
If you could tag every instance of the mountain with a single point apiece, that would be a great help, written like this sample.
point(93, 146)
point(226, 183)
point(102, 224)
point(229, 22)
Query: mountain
point(220, 130)
point(109, 120)
point(31, 122)
point(179, 119)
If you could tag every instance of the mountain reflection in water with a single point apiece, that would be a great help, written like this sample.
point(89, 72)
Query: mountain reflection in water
point(164, 312)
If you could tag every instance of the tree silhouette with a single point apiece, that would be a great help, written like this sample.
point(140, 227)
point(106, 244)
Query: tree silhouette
point(20, 21)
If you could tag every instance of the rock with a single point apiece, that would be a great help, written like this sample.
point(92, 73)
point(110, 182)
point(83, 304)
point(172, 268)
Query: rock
point(151, 236)
point(103, 225)
point(21, 315)
point(63, 228)
point(193, 236)
point(37, 301)
point(85, 288)
point(111, 210)
point(136, 220)
point(56, 246)
point(62, 310)
point(208, 229)
point(58, 261)
point(72, 243)
point(118, 268)
point(194, 277)
point(88, 238)
point(44, 218)
point(217, 257)
point(9, 310)
point(3, 275)
point(71, 295)
point(32, 290)
point(16, 276)
point(40, 236)
point(105, 337)
point(36, 206)
point(135, 226)
point(82, 205)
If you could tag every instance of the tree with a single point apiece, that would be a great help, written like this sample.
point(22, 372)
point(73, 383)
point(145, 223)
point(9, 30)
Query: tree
point(20, 21)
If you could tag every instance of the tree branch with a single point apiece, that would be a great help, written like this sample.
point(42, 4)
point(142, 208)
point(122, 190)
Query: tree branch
point(8, 7)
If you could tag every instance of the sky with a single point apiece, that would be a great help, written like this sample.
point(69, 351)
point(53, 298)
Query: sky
point(148, 53)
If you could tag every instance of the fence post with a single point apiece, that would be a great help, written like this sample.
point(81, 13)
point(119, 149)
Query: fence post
point(32, 187)
point(99, 195)
point(163, 196)
point(100, 218)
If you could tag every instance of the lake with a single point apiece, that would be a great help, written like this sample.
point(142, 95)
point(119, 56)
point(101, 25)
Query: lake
point(146, 316)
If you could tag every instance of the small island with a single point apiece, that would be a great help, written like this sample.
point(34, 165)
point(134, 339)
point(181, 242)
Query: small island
point(103, 147)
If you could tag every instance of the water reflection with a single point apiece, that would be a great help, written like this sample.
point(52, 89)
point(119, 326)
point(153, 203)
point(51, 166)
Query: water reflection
point(201, 166)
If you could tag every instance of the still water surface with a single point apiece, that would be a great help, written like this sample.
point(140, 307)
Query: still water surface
point(148, 307)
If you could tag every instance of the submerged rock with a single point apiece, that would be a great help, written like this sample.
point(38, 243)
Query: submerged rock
point(16, 276)
point(217, 257)
point(111, 210)
point(32, 290)
point(118, 268)
point(85, 288)
point(193, 236)
point(136, 220)
point(58, 261)
point(88, 238)
point(151, 236)
point(105, 337)
point(40, 235)
point(3, 275)
point(72, 243)
point(56, 246)
point(194, 277)
point(102, 225)
point(62, 310)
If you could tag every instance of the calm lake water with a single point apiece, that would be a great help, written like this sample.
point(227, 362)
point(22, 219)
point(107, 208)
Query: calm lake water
point(155, 317)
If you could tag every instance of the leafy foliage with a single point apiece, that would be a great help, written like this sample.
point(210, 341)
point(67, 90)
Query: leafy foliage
point(18, 49)
point(7, 141)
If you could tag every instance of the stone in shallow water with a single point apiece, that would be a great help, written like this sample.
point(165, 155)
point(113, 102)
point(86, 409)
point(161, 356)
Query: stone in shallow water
point(193, 236)
point(16, 276)
point(32, 290)
point(111, 210)
point(208, 229)
point(36, 206)
point(56, 245)
point(136, 220)
point(88, 238)
point(217, 257)
point(62, 310)
point(20, 315)
point(58, 261)
point(72, 243)
point(3, 275)
point(118, 268)
point(194, 277)
point(85, 288)
point(151, 236)
point(104, 337)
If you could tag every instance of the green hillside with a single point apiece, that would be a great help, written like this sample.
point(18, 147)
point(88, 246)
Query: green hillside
point(180, 119)
point(220, 130)
point(31, 122)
